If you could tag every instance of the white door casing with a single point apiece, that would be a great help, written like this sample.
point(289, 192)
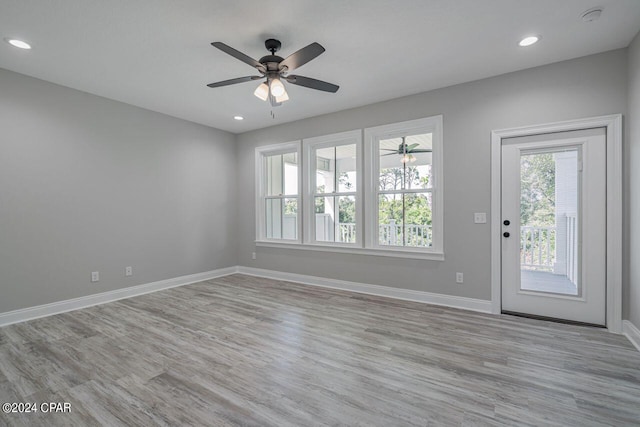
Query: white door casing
point(613, 125)
point(588, 149)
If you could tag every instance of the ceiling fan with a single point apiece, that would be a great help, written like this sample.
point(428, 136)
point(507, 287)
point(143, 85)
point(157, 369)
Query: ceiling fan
point(407, 151)
point(274, 69)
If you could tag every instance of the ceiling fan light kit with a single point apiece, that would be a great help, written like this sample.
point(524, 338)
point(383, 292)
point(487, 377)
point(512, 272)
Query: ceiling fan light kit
point(262, 91)
point(282, 98)
point(274, 69)
point(408, 158)
point(277, 88)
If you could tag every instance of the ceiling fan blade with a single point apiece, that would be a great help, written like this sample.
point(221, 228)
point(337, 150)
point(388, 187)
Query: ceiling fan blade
point(412, 146)
point(426, 150)
point(234, 81)
point(239, 55)
point(312, 83)
point(302, 56)
point(391, 154)
point(389, 149)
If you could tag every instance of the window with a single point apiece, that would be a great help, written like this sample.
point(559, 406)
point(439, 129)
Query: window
point(278, 184)
point(380, 197)
point(404, 209)
point(333, 207)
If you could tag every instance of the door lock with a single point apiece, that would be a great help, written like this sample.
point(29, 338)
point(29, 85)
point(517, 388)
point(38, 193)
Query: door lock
point(506, 234)
point(506, 222)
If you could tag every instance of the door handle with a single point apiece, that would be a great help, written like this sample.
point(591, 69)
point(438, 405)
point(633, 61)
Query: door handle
point(506, 234)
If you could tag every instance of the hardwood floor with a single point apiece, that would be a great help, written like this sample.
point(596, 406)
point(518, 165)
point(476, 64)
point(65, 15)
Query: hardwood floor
point(241, 350)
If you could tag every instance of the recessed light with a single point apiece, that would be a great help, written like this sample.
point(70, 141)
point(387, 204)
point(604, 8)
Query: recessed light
point(528, 41)
point(238, 118)
point(18, 43)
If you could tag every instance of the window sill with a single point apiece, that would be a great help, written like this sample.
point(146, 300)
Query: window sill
point(392, 253)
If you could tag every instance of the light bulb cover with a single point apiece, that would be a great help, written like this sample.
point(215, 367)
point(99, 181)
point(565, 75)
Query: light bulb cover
point(408, 158)
point(283, 97)
point(277, 88)
point(262, 91)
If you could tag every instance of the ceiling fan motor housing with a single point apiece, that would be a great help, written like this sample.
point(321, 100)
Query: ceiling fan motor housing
point(272, 45)
point(272, 62)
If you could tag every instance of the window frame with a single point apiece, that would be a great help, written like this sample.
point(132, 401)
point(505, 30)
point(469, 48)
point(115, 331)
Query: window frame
point(310, 146)
point(261, 154)
point(373, 136)
point(367, 192)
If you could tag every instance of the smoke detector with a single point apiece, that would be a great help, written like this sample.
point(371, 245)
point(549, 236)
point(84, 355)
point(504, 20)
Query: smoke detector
point(592, 14)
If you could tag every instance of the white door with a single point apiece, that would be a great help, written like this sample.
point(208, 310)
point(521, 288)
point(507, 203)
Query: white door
point(554, 225)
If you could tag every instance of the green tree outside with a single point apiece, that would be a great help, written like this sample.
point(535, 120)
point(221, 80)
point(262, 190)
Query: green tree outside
point(537, 190)
point(537, 206)
point(405, 209)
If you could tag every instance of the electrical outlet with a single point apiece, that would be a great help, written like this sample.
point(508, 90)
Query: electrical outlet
point(128, 271)
point(95, 276)
point(480, 217)
point(253, 255)
point(459, 278)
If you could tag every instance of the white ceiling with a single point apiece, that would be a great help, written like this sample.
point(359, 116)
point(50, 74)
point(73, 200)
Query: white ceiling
point(156, 54)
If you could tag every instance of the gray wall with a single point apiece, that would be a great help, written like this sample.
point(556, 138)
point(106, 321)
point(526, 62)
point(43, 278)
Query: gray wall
point(88, 184)
point(91, 184)
point(634, 182)
point(584, 87)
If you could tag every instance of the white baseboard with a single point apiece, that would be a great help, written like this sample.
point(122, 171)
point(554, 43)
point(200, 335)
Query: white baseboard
point(30, 313)
point(472, 304)
point(632, 332)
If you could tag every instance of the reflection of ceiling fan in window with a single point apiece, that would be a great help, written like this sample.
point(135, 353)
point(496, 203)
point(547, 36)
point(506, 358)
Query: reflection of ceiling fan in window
point(407, 151)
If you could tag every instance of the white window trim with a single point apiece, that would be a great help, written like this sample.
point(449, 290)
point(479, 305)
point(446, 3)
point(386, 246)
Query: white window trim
point(366, 202)
point(375, 134)
point(309, 185)
point(343, 249)
point(260, 154)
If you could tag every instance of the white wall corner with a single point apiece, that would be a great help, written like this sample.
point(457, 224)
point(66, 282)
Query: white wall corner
point(472, 304)
point(30, 313)
point(632, 332)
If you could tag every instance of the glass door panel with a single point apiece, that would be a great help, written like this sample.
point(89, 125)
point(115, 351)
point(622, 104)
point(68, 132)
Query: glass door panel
point(549, 222)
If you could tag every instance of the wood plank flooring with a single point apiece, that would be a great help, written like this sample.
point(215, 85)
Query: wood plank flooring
point(249, 351)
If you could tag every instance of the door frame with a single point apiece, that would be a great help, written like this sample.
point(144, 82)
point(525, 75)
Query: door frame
point(613, 126)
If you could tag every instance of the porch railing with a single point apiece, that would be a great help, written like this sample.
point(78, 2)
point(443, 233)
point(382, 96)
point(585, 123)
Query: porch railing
point(537, 247)
point(572, 245)
point(347, 233)
point(392, 234)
